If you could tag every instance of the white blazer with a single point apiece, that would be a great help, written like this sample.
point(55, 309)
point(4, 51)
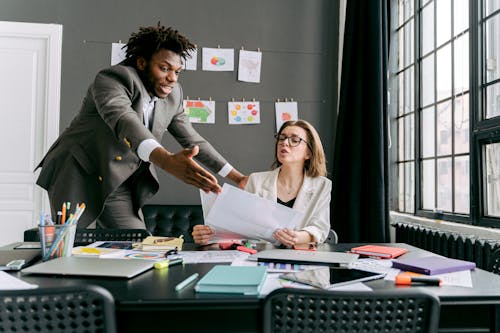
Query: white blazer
point(313, 199)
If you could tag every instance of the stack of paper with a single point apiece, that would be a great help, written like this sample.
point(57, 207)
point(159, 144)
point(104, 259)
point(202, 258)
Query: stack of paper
point(245, 280)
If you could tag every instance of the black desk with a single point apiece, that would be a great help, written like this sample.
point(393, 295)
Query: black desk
point(149, 301)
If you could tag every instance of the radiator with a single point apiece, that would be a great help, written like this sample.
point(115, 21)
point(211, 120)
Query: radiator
point(449, 244)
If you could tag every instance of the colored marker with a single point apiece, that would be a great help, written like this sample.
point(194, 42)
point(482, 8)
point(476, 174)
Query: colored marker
point(186, 282)
point(168, 263)
point(410, 280)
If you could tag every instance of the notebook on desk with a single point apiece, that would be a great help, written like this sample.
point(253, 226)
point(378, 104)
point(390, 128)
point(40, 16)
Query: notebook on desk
point(122, 268)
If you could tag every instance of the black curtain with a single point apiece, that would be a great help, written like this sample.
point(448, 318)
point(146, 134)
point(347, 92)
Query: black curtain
point(360, 201)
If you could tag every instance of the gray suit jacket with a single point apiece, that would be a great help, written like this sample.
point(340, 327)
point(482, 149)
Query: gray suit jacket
point(98, 151)
point(313, 199)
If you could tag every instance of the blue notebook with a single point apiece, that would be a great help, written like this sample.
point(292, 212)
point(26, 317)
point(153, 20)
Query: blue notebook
point(245, 280)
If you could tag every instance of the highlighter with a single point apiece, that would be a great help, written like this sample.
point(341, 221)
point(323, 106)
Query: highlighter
point(408, 280)
point(168, 263)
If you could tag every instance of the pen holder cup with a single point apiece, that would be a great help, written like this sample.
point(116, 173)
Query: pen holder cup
point(56, 240)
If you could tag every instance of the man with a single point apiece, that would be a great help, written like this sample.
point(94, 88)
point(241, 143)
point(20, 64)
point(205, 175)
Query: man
point(104, 158)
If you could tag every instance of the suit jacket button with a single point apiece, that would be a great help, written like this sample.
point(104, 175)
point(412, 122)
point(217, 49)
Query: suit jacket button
point(118, 158)
point(127, 142)
point(100, 178)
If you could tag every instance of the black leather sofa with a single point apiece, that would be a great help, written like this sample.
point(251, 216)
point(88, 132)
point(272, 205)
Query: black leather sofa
point(161, 220)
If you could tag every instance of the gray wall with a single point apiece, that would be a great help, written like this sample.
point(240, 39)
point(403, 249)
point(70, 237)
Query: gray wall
point(298, 39)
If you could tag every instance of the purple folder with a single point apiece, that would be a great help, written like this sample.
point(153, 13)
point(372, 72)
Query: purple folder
point(432, 265)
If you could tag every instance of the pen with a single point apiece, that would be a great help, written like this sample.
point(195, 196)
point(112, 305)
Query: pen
point(409, 280)
point(168, 263)
point(186, 282)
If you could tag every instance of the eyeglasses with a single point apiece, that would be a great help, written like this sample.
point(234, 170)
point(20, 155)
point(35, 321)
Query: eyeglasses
point(293, 140)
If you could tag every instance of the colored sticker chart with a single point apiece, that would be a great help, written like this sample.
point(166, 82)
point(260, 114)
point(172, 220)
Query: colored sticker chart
point(200, 111)
point(117, 53)
point(285, 111)
point(216, 59)
point(249, 66)
point(191, 61)
point(243, 113)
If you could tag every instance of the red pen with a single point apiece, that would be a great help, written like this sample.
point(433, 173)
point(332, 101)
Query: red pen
point(246, 249)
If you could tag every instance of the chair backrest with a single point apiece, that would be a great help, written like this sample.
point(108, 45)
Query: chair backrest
point(495, 262)
point(332, 237)
point(298, 310)
point(173, 220)
point(74, 309)
point(88, 236)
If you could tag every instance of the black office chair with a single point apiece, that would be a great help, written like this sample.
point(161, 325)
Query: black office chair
point(495, 262)
point(75, 309)
point(299, 310)
point(332, 237)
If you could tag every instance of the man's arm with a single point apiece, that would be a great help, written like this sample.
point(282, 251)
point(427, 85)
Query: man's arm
point(182, 166)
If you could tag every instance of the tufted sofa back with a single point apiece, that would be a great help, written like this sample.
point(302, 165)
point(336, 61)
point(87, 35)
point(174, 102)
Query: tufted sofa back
point(172, 220)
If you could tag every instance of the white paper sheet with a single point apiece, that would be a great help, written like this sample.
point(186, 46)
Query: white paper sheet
point(239, 214)
point(9, 282)
point(117, 53)
point(216, 59)
point(249, 66)
point(191, 61)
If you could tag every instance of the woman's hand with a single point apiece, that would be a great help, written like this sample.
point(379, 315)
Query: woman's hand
point(202, 234)
point(287, 237)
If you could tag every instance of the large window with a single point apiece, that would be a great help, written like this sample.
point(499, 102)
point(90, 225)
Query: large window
point(446, 79)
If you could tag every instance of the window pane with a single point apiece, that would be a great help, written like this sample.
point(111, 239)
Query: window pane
point(427, 29)
point(461, 69)
point(443, 75)
point(493, 101)
point(492, 152)
point(428, 130)
point(460, 16)
point(492, 48)
point(409, 187)
point(444, 184)
point(401, 194)
point(408, 31)
point(462, 184)
point(461, 124)
point(444, 129)
point(427, 80)
point(401, 45)
point(428, 182)
point(490, 6)
point(401, 96)
point(401, 139)
point(424, 2)
point(409, 137)
point(409, 90)
point(408, 9)
point(443, 24)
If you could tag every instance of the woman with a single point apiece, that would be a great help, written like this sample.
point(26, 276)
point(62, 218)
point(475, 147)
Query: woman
point(298, 180)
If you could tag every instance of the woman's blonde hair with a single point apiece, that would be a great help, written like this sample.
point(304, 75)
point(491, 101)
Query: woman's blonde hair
point(316, 165)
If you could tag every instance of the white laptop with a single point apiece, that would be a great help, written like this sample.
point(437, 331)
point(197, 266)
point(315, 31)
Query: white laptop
point(123, 268)
point(333, 259)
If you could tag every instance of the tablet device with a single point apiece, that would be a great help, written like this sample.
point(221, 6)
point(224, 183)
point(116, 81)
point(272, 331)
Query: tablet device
point(327, 277)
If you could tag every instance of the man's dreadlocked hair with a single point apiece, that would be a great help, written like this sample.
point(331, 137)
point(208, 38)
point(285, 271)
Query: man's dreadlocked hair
point(149, 40)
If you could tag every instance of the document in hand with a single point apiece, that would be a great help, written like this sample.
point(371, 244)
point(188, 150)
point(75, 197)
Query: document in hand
point(432, 265)
point(246, 280)
point(237, 214)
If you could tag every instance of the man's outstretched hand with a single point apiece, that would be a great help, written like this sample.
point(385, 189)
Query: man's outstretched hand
point(182, 166)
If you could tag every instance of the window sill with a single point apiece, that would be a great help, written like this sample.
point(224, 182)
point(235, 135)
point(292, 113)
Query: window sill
point(458, 228)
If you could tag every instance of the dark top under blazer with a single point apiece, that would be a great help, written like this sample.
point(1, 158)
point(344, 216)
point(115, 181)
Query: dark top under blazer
point(98, 151)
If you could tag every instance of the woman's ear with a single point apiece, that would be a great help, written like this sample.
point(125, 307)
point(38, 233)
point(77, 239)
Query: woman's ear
point(141, 63)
